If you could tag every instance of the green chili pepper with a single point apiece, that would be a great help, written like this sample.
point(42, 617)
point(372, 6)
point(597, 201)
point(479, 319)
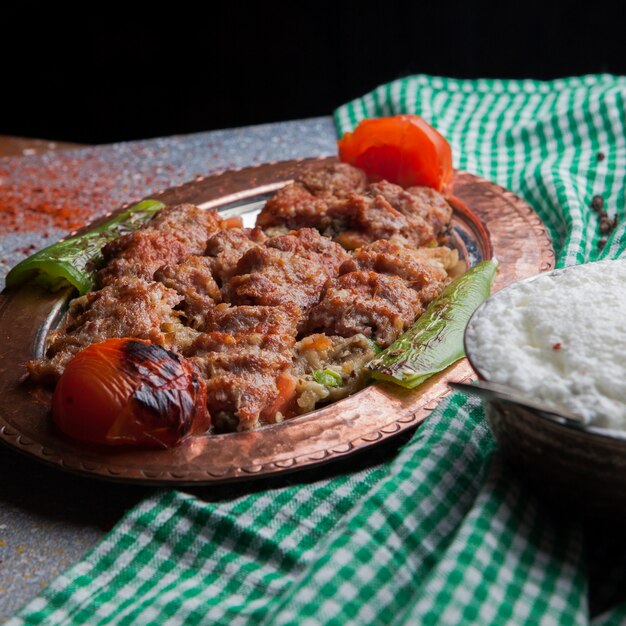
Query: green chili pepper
point(327, 377)
point(76, 260)
point(435, 341)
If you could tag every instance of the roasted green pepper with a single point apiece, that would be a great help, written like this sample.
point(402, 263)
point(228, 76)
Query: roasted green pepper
point(74, 261)
point(435, 341)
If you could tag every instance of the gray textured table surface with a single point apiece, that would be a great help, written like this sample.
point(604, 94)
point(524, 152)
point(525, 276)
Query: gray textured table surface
point(49, 519)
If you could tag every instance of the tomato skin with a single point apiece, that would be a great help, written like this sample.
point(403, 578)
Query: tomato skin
point(403, 149)
point(285, 402)
point(129, 392)
point(86, 411)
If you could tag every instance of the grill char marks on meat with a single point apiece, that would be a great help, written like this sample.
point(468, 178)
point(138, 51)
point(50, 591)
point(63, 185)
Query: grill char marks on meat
point(307, 243)
point(417, 216)
point(436, 208)
point(379, 306)
point(382, 289)
point(293, 206)
point(198, 278)
point(387, 257)
point(304, 203)
point(337, 180)
point(290, 270)
point(171, 235)
point(245, 351)
point(226, 247)
point(128, 307)
point(193, 281)
point(363, 219)
point(417, 204)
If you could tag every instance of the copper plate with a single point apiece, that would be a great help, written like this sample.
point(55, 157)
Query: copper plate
point(489, 222)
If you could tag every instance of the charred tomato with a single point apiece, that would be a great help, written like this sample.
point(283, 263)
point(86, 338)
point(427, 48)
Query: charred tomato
point(129, 392)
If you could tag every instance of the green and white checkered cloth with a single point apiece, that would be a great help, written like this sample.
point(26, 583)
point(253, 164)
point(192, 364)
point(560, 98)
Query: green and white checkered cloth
point(442, 533)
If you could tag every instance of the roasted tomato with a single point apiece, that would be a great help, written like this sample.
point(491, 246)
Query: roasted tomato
point(403, 149)
point(129, 391)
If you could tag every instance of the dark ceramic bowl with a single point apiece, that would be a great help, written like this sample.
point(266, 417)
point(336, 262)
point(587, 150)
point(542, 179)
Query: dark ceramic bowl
point(582, 466)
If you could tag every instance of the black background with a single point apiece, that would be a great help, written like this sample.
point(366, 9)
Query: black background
point(106, 73)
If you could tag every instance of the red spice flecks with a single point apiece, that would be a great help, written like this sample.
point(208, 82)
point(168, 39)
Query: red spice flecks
point(26, 210)
point(557, 346)
point(63, 191)
point(38, 196)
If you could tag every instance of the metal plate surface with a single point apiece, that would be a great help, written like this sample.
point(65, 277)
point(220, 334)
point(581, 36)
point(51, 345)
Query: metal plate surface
point(489, 221)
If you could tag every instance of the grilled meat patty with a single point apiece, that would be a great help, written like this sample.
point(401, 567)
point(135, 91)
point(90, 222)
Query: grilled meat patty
point(376, 305)
point(337, 201)
point(289, 270)
point(242, 354)
point(127, 307)
point(192, 279)
point(170, 236)
point(305, 202)
point(226, 247)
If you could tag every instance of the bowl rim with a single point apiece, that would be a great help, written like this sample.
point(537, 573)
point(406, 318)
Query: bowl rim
point(588, 429)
